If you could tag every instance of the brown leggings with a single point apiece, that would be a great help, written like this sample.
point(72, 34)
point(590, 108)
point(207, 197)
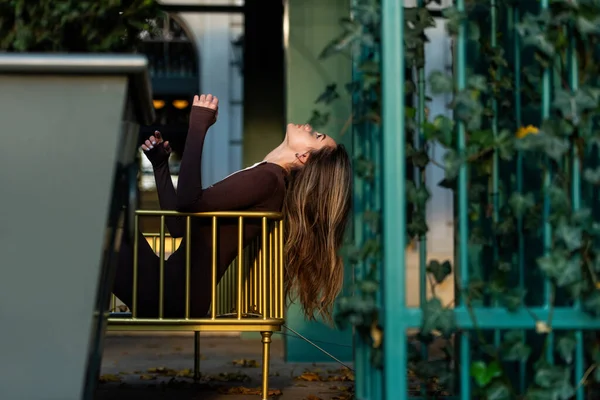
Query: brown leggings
point(148, 282)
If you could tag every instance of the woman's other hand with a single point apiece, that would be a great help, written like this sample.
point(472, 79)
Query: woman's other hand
point(207, 101)
point(157, 151)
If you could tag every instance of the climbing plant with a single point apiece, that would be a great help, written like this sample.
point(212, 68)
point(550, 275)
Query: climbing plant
point(74, 26)
point(532, 183)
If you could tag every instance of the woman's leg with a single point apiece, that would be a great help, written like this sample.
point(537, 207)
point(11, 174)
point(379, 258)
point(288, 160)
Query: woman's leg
point(148, 277)
point(148, 292)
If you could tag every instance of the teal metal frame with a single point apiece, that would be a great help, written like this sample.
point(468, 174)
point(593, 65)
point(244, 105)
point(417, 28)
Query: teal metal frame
point(388, 150)
point(395, 369)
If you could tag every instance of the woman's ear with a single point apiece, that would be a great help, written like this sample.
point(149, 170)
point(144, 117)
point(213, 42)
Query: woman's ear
point(302, 157)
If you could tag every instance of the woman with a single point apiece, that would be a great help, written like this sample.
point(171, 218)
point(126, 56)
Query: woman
point(307, 177)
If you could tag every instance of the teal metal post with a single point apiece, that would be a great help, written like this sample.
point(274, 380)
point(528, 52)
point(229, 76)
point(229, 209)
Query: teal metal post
point(361, 349)
point(463, 207)
point(394, 204)
point(547, 229)
point(576, 196)
point(515, 15)
point(420, 181)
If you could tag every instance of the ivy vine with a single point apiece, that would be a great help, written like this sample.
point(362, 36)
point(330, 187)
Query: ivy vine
point(533, 185)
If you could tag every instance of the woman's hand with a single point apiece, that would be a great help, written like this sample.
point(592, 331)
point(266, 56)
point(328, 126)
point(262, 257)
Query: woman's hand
point(207, 101)
point(157, 151)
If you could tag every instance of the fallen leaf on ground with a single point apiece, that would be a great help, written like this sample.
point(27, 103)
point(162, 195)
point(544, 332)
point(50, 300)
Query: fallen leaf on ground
point(164, 371)
point(245, 363)
point(146, 377)
point(109, 378)
point(248, 391)
point(313, 397)
point(229, 377)
point(309, 377)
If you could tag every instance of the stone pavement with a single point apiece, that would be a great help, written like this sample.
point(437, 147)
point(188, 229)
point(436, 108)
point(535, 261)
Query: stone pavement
point(154, 366)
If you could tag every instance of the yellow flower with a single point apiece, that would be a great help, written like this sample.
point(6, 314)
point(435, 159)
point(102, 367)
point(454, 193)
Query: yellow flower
point(527, 130)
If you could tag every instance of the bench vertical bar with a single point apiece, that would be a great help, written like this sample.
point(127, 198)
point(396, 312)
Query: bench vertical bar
point(255, 285)
point(161, 293)
point(240, 267)
point(266, 336)
point(269, 274)
point(275, 278)
point(136, 245)
point(263, 270)
point(213, 287)
point(188, 265)
point(280, 282)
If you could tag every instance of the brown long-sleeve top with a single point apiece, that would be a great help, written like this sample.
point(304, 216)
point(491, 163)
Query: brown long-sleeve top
point(260, 188)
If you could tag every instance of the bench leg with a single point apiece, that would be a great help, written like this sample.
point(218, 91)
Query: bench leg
point(266, 341)
point(196, 356)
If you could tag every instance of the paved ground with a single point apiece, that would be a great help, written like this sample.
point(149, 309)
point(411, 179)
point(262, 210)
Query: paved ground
point(151, 367)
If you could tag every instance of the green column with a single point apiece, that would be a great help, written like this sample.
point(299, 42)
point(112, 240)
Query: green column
point(311, 26)
point(394, 204)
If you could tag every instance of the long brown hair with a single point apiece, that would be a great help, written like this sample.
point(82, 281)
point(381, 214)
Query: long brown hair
point(316, 210)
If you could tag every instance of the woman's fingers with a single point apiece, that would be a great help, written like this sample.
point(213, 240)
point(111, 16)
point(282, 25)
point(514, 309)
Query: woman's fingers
point(145, 148)
point(158, 136)
point(167, 147)
point(149, 144)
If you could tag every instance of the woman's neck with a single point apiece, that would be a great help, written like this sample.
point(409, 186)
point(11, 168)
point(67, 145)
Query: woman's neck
point(281, 156)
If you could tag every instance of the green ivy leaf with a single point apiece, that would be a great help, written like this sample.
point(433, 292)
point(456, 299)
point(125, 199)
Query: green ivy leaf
point(582, 217)
point(440, 83)
point(498, 391)
point(484, 373)
point(436, 317)
point(478, 82)
point(554, 147)
point(591, 304)
point(352, 33)
point(440, 271)
point(521, 203)
point(587, 27)
point(592, 175)
point(514, 347)
point(329, 95)
point(570, 235)
point(512, 299)
point(560, 266)
point(565, 346)
point(557, 378)
point(318, 120)
point(420, 159)
point(368, 286)
point(452, 164)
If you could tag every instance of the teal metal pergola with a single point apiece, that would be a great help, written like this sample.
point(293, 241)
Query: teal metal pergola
point(387, 191)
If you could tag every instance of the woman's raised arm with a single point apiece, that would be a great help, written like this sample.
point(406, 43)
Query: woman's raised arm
point(158, 153)
point(189, 186)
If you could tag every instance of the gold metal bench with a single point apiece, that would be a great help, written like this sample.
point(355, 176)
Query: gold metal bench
point(249, 297)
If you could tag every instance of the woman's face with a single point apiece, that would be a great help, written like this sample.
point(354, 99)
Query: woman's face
point(302, 139)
